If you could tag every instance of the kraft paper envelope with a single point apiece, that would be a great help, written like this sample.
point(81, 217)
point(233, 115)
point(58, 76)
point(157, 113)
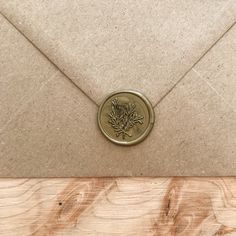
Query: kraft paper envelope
point(59, 59)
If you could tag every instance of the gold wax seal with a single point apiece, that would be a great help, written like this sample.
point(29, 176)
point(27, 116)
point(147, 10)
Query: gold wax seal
point(126, 117)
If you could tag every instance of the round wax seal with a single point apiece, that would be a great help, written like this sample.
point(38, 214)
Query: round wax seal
point(126, 117)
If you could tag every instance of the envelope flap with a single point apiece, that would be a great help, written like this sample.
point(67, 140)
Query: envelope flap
point(104, 45)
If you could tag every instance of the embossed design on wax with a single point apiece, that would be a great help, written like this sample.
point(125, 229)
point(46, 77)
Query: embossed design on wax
point(123, 117)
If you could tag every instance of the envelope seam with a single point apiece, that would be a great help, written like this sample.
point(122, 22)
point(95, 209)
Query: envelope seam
point(195, 63)
point(58, 68)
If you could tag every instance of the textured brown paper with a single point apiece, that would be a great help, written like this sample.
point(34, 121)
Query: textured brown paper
point(58, 59)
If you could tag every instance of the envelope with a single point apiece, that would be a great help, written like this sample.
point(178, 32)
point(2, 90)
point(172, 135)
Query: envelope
point(59, 59)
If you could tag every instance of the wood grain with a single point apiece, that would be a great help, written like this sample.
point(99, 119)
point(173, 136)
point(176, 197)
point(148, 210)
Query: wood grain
point(118, 206)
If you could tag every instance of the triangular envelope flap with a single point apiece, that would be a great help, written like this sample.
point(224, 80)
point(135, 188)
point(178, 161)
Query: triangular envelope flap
point(108, 45)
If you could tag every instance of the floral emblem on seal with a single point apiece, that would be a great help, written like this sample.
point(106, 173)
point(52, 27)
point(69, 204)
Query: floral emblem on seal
point(123, 117)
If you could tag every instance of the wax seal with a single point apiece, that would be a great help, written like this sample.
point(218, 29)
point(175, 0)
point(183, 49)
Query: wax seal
point(126, 117)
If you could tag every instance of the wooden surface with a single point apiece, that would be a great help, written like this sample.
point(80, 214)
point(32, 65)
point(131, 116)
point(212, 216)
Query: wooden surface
point(118, 206)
